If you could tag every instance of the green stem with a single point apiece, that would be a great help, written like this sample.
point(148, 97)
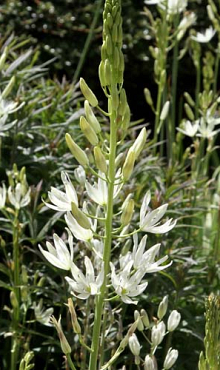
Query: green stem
point(16, 284)
point(88, 41)
point(216, 70)
point(107, 244)
point(70, 362)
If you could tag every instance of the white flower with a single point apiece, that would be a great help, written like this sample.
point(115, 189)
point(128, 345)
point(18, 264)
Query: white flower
point(59, 255)
point(170, 358)
point(172, 6)
point(85, 285)
point(189, 128)
point(78, 231)
point(3, 193)
point(157, 333)
point(146, 260)
point(43, 316)
point(149, 220)
point(173, 320)
point(7, 107)
point(207, 125)
point(19, 197)
point(99, 192)
point(205, 36)
point(127, 285)
point(62, 201)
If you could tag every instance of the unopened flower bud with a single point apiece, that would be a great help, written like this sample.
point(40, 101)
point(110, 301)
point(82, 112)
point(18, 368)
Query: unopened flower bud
point(126, 118)
point(149, 363)
point(189, 112)
point(115, 97)
point(109, 20)
point(115, 33)
point(122, 103)
point(173, 320)
point(162, 309)
point(210, 13)
point(13, 299)
point(41, 282)
point(116, 57)
point(8, 88)
point(127, 212)
point(165, 111)
point(148, 97)
point(170, 358)
point(139, 143)
point(75, 323)
point(63, 341)
point(107, 72)
point(88, 131)
point(137, 318)
point(102, 73)
point(189, 99)
point(157, 334)
point(3, 58)
point(134, 345)
point(87, 92)
point(128, 166)
point(91, 118)
point(80, 217)
point(145, 318)
point(80, 175)
point(109, 45)
point(100, 160)
point(76, 151)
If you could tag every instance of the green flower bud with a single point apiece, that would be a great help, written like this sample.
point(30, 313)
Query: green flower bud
point(102, 74)
point(148, 97)
point(126, 118)
point(121, 61)
point(100, 160)
point(80, 217)
point(115, 98)
point(88, 131)
point(137, 318)
point(128, 165)
point(114, 33)
point(13, 299)
point(162, 309)
point(109, 45)
point(114, 11)
point(24, 293)
point(116, 57)
point(165, 111)
point(74, 320)
point(76, 151)
point(189, 112)
point(127, 211)
point(63, 341)
point(139, 143)
point(103, 51)
point(8, 88)
point(91, 118)
point(87, 92)
point(41, 281)
point(109, 20)
point(3, 58)
point(107, 72)
point(122, 103)
point(189, 99)
point(145, 318)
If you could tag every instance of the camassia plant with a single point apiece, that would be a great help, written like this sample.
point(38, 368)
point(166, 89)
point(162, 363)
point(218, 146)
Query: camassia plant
point(108, 265)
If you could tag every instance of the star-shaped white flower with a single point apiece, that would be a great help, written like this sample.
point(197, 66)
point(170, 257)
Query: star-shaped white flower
point(99, 192)
point(149, 220)
point(85, 285)
point(172, 6)
point(205, 36)
point(78, 231)
point(62, 201)
point(59, 255)
point(145, 260)
point(42, 316)
point(127, 285)
point(189, 129)
point(19, 196)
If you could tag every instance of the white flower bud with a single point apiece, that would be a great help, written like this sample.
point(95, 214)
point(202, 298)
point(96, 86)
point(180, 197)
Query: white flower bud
point(170, 359)
point(165, 111)
point(80, 175)
point(140, 325)
point(157, 334)
point(134, 345)
point(162, 309)
point(173, 320)
point(145, 318)
point(149, 363)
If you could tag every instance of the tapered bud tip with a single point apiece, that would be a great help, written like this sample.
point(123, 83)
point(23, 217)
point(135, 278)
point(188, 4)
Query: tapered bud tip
point(76, 151)
point(87, 92)
point(162, 309)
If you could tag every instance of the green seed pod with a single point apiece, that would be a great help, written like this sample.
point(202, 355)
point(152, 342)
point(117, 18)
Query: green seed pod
point(107, 72)
point(76, 151)
point(80, 217)
point(91, 118)
point(109, 45)
point(8, 88)
point(189, 99)
point(88, 131)
point(128, 166)
point(87, 92)
point(74, 320)
point(122, 103)
point(63, 341)
point(189, 112)
point(102, 74)
point(100, 160)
